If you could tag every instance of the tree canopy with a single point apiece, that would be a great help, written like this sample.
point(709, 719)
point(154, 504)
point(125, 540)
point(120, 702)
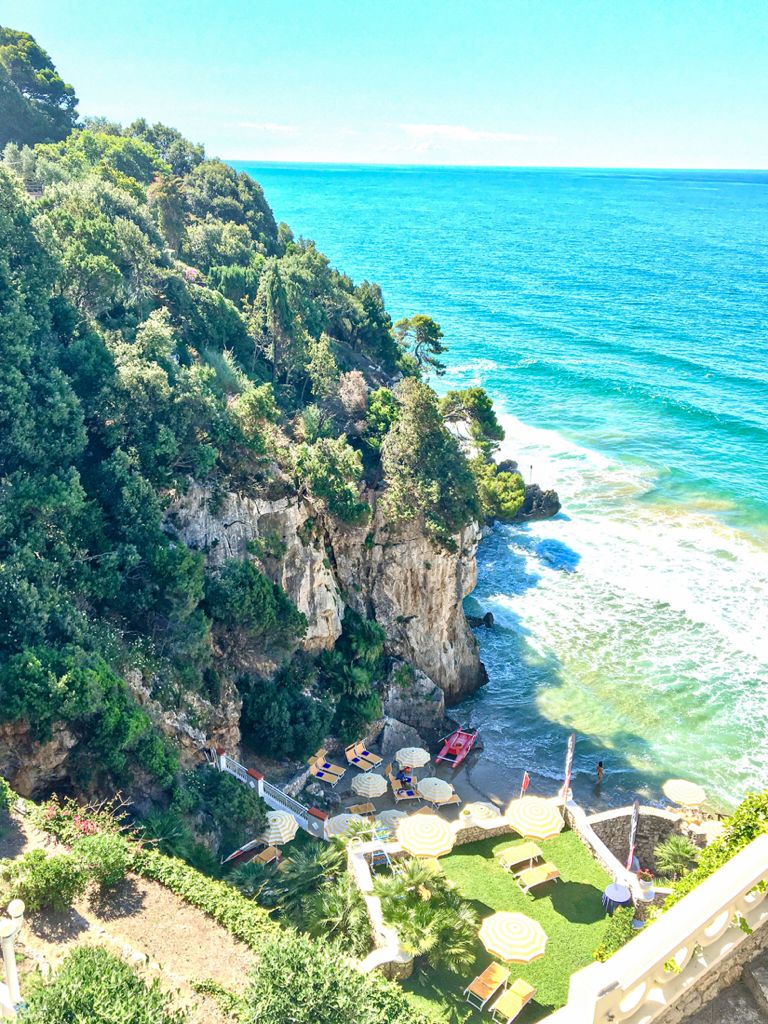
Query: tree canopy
point(36, 105)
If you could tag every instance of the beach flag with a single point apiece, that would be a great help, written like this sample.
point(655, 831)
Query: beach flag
point(526, 783)
point(569, 765)
point(633, 833)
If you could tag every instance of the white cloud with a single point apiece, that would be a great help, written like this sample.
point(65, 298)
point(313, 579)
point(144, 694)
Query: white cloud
point(459, 133)
point(268, 127)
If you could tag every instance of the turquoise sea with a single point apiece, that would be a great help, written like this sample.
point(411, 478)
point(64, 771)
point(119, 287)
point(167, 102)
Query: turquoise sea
point(620, 321)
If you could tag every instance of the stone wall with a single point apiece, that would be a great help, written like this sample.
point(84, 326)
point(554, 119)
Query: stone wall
point(722, 974)
point(654, 827)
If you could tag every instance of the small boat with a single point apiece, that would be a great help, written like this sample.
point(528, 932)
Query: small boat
point(456, 746)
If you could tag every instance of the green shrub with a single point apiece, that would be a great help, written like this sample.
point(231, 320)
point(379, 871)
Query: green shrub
point(748, 821)
point(617, 933)
point(7, 796)
point(249, 605)
point(675, 856)
point(104, 857)
point(297, 981)
point(46, 882)
point(223, 804)
point(94, 985)
point(331, 470)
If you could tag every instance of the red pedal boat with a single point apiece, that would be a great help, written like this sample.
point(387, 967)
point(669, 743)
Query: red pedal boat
point(456, 746)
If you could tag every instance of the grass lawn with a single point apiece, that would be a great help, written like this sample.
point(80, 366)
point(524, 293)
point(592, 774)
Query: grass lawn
point(569, 911)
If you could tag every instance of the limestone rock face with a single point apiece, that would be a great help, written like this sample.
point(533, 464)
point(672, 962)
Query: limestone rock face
point(32, 767)
point(414, 590)
point(394, 574)
point(395, 735)
point(415, 700)
point(223, 526)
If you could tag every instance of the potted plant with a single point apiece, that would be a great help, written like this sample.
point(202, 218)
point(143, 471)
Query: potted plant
point(645, 880)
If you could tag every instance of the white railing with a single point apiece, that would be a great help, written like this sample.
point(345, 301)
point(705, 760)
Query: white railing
point(677, 951)
point(273, 797)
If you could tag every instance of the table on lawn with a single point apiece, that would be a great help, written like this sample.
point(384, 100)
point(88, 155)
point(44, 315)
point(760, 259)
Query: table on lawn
point(616, 895)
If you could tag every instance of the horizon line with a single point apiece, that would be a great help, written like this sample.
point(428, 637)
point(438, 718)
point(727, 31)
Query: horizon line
point(487, 167)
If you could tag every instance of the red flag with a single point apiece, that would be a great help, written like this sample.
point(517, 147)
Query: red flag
point(526, 783)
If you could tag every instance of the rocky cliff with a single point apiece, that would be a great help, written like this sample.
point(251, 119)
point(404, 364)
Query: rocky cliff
point(393, 574)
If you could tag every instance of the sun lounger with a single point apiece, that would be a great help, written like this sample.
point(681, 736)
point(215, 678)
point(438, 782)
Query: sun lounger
point(362, 758)
point(516, 855)
point(324, 775)
point(539, 875)
point(268, 856)
point(453, 799)
point(486, 985)
point(320, 761)
point(512, 1001)
point(364, 809)
point(403, 790)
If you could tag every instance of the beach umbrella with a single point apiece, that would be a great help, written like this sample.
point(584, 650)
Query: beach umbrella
point(416, 757)
point(511, 936)
point(686, 794)
point(435, 790)
point(535, 818)
point(390, 819)
point(481, 810)
point(426, 835)
point(281, 828)
point(369, 784)
point(339, 823)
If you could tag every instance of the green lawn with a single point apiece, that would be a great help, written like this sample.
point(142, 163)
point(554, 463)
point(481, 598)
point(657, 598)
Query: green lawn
point(569, 911)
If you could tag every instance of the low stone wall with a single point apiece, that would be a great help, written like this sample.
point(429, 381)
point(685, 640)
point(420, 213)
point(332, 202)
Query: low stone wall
point(654, 826)
point(490, 828)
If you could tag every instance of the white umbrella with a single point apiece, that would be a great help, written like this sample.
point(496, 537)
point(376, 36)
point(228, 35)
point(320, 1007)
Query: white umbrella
point(415, 757)
point(435, 790)
point(426, 835)
point(686, 794)
point(338, 825)
point(281, 828)
point(369, 785)
point(512, 936)
point(481, 810)
point(390, 819)
point(535, 818)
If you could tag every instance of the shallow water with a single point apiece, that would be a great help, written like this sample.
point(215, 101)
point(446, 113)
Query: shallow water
point(619, 320)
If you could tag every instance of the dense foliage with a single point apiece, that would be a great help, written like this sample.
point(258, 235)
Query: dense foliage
point(297, 981)
point(157, 328)
point(617, 933)
point(748, 821)
point(95, 985)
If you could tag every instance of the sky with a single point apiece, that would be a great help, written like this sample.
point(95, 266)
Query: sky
point(595, 83)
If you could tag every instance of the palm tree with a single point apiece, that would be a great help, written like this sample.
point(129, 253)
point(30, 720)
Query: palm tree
point(303, 873)
point(337, 910)
point(253, 880)
point(676, 856)
point(431, 918)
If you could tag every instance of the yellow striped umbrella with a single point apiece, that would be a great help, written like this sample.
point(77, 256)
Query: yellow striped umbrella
point(416, 757)
point(535, 818)
point(369, 784)
point(686, 794)
point(390, 819)
point(281, 828)
point(426, 835)
point(513, 937)
point(338, 825)
point(480, 810)
point(434, 789)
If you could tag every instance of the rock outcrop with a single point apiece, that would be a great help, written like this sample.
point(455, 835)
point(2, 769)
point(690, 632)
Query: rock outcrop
point(538, 504)
point(33, 768)
point(393, 574)
point(412, 698)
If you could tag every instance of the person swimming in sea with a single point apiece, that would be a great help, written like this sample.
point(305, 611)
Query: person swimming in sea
point(600, 772)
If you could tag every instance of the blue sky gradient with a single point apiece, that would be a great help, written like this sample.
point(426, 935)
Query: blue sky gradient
point(605, 83)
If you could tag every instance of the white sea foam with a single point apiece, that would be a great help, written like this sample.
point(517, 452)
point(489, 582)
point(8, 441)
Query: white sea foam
point(650, 613)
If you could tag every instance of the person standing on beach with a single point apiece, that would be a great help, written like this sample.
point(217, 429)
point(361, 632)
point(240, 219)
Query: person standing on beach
point(600, 772)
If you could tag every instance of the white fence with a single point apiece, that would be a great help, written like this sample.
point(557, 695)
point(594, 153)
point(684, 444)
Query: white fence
point(273, 797)
point(688, 946)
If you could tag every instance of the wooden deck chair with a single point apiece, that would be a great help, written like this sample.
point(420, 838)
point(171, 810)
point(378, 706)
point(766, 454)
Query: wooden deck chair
point(486, 985)
point(269, 856)
point(331, 778)
point(452, 800)
point(530, 878)
point(319, 760)
point(366, 810)
point(359, 762)
point(367, 755)
point(517, 855)
point(512, 1001)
